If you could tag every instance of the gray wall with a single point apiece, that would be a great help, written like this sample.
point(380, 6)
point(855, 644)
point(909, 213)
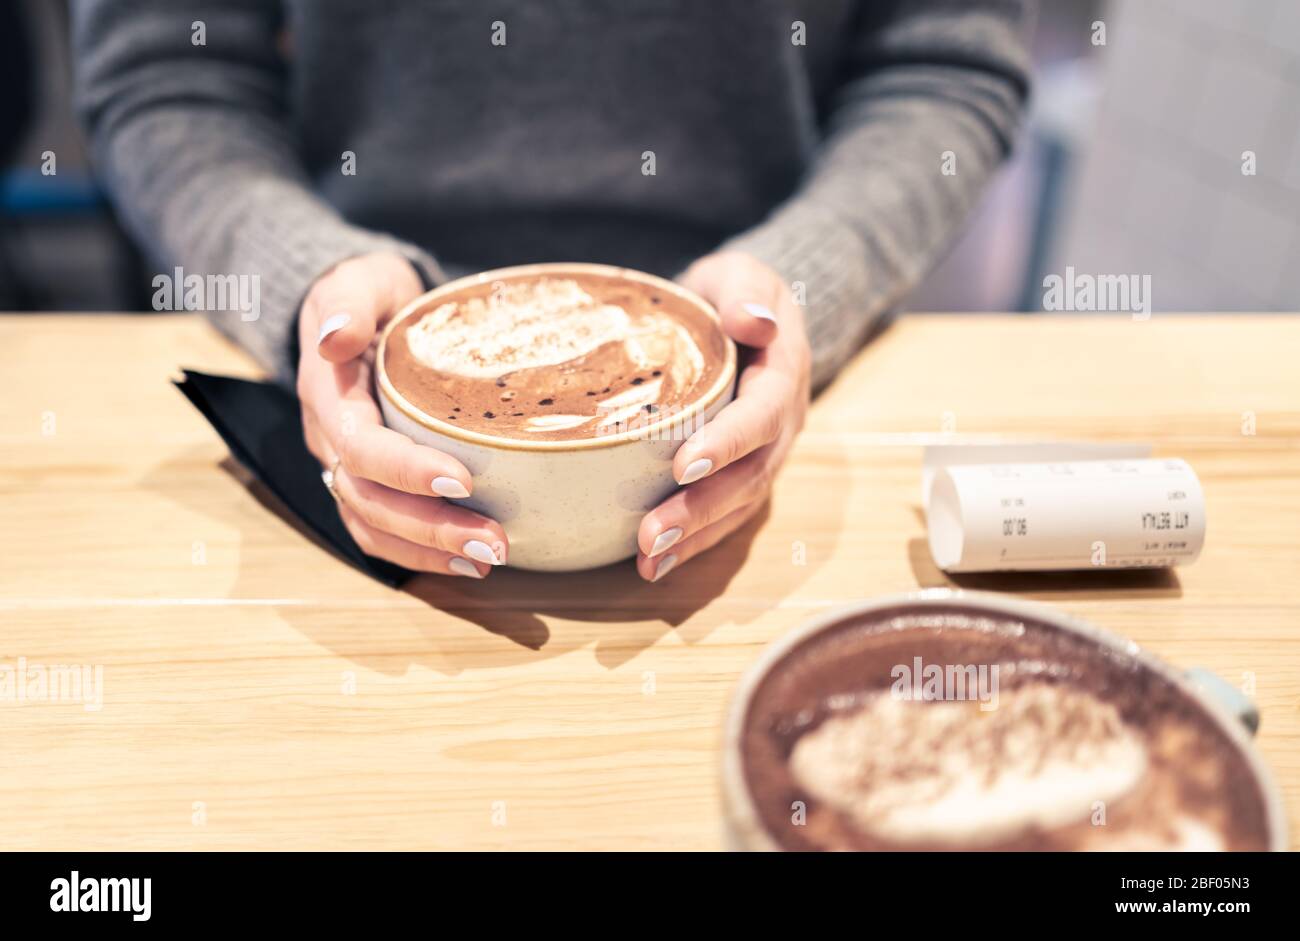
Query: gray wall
point(1187, 86)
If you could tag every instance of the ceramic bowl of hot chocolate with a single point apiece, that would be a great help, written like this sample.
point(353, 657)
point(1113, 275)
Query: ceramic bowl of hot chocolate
point(970, 721)
point(565, 390)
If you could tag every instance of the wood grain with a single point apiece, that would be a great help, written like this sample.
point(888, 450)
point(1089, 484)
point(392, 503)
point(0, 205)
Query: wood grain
point(259, 693)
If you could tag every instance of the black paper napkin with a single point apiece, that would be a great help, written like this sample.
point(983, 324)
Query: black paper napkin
point(262, 425)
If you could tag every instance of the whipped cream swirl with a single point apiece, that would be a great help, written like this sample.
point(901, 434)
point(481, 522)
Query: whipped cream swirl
point(947, 772)
point(548, 322)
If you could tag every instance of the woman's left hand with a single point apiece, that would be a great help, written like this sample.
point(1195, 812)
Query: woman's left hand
point(728, 466)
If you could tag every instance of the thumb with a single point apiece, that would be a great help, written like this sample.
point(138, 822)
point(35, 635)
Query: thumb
point(745, 291)
point(346, 306)
point(346, 317)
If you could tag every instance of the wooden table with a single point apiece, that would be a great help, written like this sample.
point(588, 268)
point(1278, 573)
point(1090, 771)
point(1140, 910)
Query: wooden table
point(260, 693)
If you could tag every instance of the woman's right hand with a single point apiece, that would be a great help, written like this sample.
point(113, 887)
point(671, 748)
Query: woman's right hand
point(390, 490)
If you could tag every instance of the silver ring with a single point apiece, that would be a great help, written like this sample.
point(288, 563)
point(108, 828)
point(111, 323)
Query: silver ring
point(327, 478)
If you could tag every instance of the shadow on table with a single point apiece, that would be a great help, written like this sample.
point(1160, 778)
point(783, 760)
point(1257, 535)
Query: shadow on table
point(1132, 583)
point(511, 603)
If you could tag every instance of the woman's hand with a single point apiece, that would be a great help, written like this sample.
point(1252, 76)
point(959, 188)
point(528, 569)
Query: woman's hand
point(390, 489)
point(728, 466)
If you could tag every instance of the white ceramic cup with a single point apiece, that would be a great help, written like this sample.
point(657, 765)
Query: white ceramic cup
point(1226, 707)
point(565, 505)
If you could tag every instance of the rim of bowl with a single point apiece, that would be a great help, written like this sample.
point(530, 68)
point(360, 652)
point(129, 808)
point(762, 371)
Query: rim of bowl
point(702, 404)
point(739, 809)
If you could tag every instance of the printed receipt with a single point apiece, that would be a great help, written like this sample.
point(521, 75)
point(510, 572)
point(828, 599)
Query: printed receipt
point(1070, 515)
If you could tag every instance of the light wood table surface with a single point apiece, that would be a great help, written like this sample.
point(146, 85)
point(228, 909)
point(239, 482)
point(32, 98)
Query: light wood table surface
point(260, 693)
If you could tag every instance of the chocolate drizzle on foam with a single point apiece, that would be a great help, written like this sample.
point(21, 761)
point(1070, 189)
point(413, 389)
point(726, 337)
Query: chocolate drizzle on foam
point(1085, 748)
point(547, 358)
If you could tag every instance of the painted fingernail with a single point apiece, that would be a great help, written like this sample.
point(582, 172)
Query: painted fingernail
point(666, 540)
point(333, 325)
point(480, 552)
point(449, 487)
point(695, 470)
point(666, 566)
point(463, 567)
point(759, 311)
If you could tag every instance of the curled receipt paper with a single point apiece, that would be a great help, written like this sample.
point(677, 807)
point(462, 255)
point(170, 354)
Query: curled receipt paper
point(1069, 515)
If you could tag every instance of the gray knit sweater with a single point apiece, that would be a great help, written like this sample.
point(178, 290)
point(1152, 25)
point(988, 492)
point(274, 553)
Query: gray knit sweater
point(841, 142)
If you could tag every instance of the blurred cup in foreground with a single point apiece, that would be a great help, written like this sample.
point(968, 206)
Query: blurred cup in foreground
point(969, 721)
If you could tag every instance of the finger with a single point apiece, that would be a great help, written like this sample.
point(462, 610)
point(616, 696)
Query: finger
point(746, 293)
point(345, 327)
point(368, 449)
point(426, 521)
point(339, 401)
point(700, 505)
point(754, 419)
point(382, 545)
point(344, 311)
point(654, 568)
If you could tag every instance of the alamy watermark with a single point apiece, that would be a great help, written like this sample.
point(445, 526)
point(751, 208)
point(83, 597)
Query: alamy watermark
point(25, 682)
point(1101, 292)
point(951, 682)
point(104, 894)
point(238, 293)
point(651, 421)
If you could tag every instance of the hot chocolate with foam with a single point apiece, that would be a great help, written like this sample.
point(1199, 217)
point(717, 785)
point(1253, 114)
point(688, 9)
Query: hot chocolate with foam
point(556, 356)
point(960, 729)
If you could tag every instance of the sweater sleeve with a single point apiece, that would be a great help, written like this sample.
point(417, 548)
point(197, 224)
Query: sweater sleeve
point(928, 109)
point(192, 143)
